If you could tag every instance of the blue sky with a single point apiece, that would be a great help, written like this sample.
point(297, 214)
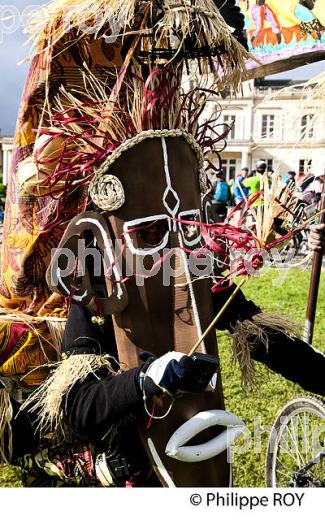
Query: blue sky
point(12, 76)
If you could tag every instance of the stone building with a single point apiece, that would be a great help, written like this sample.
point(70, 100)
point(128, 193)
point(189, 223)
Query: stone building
point(269, 123)
point(6, 146)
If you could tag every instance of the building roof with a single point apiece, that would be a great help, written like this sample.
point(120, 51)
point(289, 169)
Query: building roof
point(277, 83)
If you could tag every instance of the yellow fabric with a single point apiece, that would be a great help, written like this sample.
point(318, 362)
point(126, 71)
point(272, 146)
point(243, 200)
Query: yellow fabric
point(285, 11)
point(28, 358)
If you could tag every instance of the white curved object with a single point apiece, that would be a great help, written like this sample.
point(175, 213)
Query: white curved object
point(159, 465)
point(203, 420)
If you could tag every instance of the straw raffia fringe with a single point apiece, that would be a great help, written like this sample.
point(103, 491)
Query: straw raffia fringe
point(56, 329)
point(203, 21)
point(44, 22)
point(47, 399)
point(275, 199)
point(6, 413)
point(56, 326)
point(249, 333)
point(311, 95)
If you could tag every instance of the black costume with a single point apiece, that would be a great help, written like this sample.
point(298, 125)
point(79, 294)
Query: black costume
point(93, 406)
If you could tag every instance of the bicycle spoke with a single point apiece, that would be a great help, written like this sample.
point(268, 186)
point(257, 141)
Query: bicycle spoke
point(305, 437)
point(298, 458)
point(297, 437)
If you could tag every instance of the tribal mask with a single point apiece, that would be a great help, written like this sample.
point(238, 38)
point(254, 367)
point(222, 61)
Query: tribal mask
point(149, 192)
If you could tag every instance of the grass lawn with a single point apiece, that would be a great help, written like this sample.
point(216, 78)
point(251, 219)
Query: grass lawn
point(273, 391)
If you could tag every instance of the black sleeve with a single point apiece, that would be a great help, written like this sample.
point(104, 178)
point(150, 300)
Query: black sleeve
point(293, 359)
point(239, 309)
point(95, 404)
point(81, 336)
point(288, 356)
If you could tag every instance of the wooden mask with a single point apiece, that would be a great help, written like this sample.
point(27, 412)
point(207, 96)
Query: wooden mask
point(155, 179)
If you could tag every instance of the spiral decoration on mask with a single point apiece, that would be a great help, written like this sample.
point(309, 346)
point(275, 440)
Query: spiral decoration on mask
point(107, 192)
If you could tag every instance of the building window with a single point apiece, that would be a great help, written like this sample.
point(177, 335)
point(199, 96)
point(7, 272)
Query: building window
point(229, 168)
point(263, 90)
point(268, 126)
point(269, 163)
point(305, 166)
point(230, 120)
point(307, 129)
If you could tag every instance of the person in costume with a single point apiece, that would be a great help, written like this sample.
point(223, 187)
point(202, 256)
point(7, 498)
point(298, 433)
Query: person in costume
point(117, 123)
point(52, 171)
point(100, 405)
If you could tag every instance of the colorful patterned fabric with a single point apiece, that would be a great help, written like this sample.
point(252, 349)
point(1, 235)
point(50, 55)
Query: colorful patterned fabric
point(25, 352)
point(34, 225)
point(284, 34)
point(68, 465)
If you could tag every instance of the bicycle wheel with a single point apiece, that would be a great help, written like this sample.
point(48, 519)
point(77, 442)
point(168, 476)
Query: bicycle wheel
point(296, 449)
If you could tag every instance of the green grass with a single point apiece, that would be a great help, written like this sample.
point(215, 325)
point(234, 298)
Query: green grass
point(273, 391)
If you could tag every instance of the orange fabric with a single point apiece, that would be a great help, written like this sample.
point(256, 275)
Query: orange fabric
point(267, 36)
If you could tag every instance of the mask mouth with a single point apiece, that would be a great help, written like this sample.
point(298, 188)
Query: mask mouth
point(152, 233)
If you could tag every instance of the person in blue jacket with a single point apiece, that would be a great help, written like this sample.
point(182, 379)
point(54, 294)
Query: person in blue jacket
point(221, 197)
point(240, 191)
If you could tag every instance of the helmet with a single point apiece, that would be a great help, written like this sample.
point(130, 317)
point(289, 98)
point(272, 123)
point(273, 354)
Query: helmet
point(261, 166)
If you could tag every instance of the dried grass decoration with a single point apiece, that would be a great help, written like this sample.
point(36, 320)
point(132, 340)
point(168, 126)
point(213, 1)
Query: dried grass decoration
point(175, 29)
point(109, 194)
point(268, 220)
point(97, 129)
point(48, 398)
point(276, 211)
point(310, 96)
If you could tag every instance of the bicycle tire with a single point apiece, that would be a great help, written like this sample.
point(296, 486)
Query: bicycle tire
point(293, 408)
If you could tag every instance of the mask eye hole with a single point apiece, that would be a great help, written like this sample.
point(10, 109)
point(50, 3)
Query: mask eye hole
point(147, 235)
point(191, 232)
point(152, 233)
